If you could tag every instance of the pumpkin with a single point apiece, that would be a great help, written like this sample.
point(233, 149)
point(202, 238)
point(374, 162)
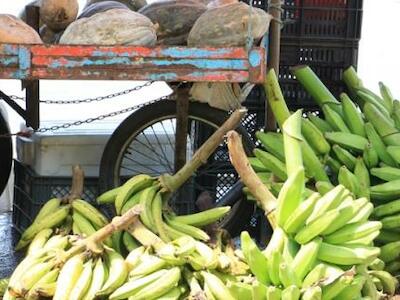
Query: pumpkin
point(134, 5)
point(226, 22)
point(112, 27)
point(98, 7)
point(175, 19)
point(14, 30)
point(58, 14)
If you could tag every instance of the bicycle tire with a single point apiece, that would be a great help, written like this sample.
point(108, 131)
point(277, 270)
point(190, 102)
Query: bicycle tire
point(125, 133)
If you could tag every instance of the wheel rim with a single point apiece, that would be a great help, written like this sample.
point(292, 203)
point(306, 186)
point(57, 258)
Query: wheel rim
point(150, 150)
point(6, 154)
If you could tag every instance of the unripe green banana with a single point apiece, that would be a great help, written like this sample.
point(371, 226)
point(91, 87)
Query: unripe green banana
point(391, 222)
point(314, 137)
point(147, 265)
point(109, 196)
point(383, 125)
point(257, 262)
point(274, 293)
point(204, 218)
point(257, 165)
point(378, 145)
point(364, 213)
point(387, 236)
point(386, 173)
point(274, 262)
point(348, 141)
point(353, 290)
point(287, 276)
point(344, 156)
point(333, 289)
point(290, 196)
point(132, 186)
point(374, 100)
point(273, 143)
point(352, 116)
point(39, 240)
point(362, 174)
point(334, 119)
point(317, 226)
point(190, 230)
point(386, 96)
point(49, 207)
point(394, 152)
point(341, 255)
point(333, 164)
point(390, 251)
point(377, 265)
point(387, 209)
point(353, 231)
point(83, 283)
point(393, 267)
point(291, 293)
point(306, 257)
point(131, 202)
point(276, 243)
point(272, 163)
point(98, 278)
point(85, 227)
point(324, 187)
point(367, 240)
point(349, 180)
point(346, 213)
point(242, 290)
point(321, 124)
point(370, 156)
point(146, 201)
point(129, 242)
point(312, 164)
point(299, 216)
point(69, 275)
point(217, 287)
point(312, 293)
point(90, 212)
point(321, 273)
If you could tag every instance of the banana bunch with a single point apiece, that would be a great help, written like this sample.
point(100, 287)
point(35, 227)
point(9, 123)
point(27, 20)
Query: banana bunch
point(56, 217)
point(156, 215)
point(323, 247)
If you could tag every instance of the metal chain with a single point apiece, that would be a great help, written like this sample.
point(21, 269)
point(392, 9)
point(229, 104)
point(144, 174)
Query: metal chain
point(89, 100)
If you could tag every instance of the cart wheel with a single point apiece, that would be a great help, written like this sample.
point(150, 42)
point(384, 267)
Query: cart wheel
point(145, 142)
point(6, 152)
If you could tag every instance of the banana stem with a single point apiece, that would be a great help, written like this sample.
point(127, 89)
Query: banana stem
point(314, 86)
point(78, 177)
point(275, 98)
point(171, 183)
point(117, 224)
point(239, 160)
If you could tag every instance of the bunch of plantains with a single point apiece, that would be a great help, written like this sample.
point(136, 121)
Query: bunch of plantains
point(322, 245)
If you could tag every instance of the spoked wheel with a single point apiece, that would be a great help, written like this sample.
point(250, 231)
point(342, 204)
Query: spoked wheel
point(145, 143)
point(6, 152)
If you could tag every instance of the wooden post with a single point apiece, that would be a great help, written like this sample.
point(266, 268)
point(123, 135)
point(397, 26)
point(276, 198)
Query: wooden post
point(274, 51)
point(32, 86)
point(182, 110)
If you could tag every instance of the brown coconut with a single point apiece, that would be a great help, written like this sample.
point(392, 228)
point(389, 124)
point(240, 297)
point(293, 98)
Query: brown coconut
point(58, 14)
point(112, 27)
point(15, 31)
point(134, 5)
point(99, 7)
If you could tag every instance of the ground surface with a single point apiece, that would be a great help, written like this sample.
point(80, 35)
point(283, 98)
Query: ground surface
point(8, 258)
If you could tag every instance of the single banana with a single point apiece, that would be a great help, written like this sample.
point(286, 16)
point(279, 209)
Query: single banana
point(394, 152)
point(321, 124)
point(217, 287)
point(133, 257)
point(299, 216)
point(377, 265)
point(362, 174)
point(306, 257)
point(387, 209)
point(68, 277)
point(257, 165)
point(370, 156)
point(117, 275)
point(383, 125)
point(146, 201)
point(349, 180)
point(386, 96)
point(287, 276)
point(205, 217)
point(393, 267)
point(272, 163)
point(391, 222)
point(116, 240)
point(389, 283)
point(386, 236)
point(131, 202)
point(98, 278)
point(352, 116)
point(366, 240)
point(258, 291)
point(334, 119)
point(353, 231)
point(333, 289)
point(349, 255)
point(274, 262)
point(312, 293)
point(132, 287)
point(109, 196)
point(190, 230)
point(273, 143)
point(147, 265)
point(290, 196)
point(344, 156)
point(291, 293)
point(274, 293)
point(132, 186)
point(378, 145)
point(322, 273)
point(390, 251)
point(85, 227)
point(83, 282)
point(346, 214)
point(364, 213)
point(315, 137)
point(386, 173)
point(39, 240)
point(348, 141)
point(49, 207)
point(292, 140)
point(90, 212)
point(129, 242)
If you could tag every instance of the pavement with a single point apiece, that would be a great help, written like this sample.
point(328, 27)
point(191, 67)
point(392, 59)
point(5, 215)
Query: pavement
point(8, 237)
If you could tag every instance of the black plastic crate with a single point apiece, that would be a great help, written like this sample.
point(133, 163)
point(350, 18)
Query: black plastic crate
point(31, 191)
point(328, 61)
point(322, 19)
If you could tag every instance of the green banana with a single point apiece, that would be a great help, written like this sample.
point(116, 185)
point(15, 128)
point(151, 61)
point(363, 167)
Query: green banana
point(287, 276)
point(90, 212)
point(272, 163)
point(353, 290)
point(133, 257)
point(378, 145)
point(390, 251)
point(364, 213)
point(132, 186)
point(349, 180)
point(352, 116)
point(324, 187)
point(312, 293)
point(321, 124)
point(387, 236)
point(373, 100)
point(321, 274)
point(273, 143)
point(131, 202)
point(333, 164)
point(49, 207)
point(129, 242)
point(348, 141)
point(39, 240)
point(393, 267)
point(274, 293)
point(83, 282)
point(85, 227)
point(257, 262)
point(290, 196)
point(366, 240)
point(147, 264)
point(394, 152)
point(347, 255)
point(118, 272)
point(386, 173)
point(274, 262)
point(157, 216)
point(353, 231)
point(316, 227)
point(389, 283)
point(306, 257)
point(109, 196)
point(98, 278)
point(370, 156)
point(386, 96)
point(291, 293)
point(312, 164)
point(299, 216)
point(387, 209)
point(346, 214)
point(332, 290)
point(334, 119)
point(190, 230)
point(377, 264)
point(383, 125)
point(277, 242)
point(257, 165)
point(258, 292)
point(362, 174)
point(344, 156)
point(217, 287)
point(314, 137)
point(146, 201)
point(205, 217)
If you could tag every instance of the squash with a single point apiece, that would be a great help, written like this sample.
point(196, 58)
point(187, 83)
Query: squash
point(58, 14)
point(49, 36)
point(134, 5)
point(225, 23)
point(98, 7)
point(175, 19)
point(14, 30)
point(112, 27)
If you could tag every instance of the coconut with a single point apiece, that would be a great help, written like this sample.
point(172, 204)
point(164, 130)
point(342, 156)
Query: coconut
point(58, 14)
